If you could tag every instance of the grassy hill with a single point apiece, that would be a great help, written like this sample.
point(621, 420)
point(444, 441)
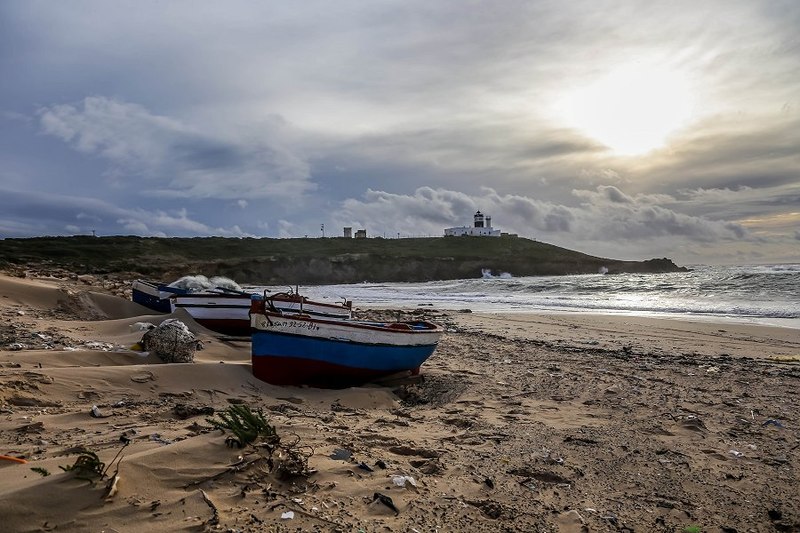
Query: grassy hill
point(311, 261)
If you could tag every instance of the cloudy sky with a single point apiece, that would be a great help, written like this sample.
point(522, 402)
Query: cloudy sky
point(626, 129)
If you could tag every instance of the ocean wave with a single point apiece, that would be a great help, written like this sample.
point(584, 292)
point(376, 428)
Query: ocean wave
point(486, 273)
point(766, 291)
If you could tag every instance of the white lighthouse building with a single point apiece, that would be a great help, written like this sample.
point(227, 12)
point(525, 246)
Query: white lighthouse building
point(482, 227)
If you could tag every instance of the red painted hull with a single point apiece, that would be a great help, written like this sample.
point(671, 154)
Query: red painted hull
point(285, 371)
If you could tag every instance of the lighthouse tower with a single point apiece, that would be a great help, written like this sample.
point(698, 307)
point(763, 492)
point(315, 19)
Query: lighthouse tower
point(482, 227)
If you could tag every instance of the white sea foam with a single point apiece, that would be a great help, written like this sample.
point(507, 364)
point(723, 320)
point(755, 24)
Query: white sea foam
point(762, 294)
point(201, 283)
point(486, 273)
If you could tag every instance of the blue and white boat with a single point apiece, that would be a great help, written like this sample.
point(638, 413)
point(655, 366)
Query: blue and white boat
point(225, 310)
point(300, 349)
point(154, 295)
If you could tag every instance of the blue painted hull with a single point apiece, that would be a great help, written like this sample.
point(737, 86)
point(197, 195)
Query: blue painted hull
point(283, 359)
point(162, 305)
point(376, 357)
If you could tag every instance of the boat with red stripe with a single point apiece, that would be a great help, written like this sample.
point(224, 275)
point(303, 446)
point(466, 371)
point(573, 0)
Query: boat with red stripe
point(300, 349)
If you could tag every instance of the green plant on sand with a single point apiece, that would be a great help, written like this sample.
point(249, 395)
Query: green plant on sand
point(252, 428)
point(246, 426)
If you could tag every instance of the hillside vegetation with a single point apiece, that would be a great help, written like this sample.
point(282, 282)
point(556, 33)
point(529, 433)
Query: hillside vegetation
point(311, 261)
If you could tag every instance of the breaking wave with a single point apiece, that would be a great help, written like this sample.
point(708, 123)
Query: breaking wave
point(202, 283)
point(486, 273)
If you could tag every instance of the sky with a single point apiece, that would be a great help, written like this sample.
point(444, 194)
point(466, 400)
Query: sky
point(623, 129)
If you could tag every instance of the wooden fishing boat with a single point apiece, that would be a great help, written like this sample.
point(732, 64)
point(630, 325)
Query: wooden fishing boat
point(225, 310)
point(153, 295)
point(300, 349)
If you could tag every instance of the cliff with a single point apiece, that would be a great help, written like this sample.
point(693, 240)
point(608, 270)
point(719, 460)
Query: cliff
point(313, 261)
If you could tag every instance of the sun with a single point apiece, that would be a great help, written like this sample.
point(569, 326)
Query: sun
point(632, 110)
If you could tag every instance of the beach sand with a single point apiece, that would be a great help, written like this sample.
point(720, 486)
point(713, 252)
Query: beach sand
point(519, 422)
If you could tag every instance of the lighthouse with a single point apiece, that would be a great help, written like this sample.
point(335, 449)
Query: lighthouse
point(482, 227)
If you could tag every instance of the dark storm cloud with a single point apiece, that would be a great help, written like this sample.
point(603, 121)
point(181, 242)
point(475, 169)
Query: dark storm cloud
point(644, 216)
point(26, 213)
point(454, 140)
point(198, 154)
point(760, 155)
point(61, 209)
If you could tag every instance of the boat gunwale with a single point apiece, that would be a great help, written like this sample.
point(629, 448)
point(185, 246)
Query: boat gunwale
point(350, 323)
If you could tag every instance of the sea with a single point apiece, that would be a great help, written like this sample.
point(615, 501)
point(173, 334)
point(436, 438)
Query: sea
point(756, 294)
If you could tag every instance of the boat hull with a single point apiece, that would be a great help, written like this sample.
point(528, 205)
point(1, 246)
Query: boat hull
point(152, 296)
point(226, 313)
point(230, 314)
point(294, 350)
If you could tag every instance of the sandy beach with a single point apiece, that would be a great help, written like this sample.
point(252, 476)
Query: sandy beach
point(519, 422)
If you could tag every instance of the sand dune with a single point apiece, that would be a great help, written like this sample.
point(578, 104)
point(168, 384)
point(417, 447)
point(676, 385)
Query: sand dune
point(519, 423)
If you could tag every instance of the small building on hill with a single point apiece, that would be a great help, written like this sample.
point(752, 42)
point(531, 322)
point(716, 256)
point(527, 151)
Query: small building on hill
point(482, 227)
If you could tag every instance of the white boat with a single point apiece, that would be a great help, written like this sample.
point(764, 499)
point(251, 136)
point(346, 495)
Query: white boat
point(225, 310)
